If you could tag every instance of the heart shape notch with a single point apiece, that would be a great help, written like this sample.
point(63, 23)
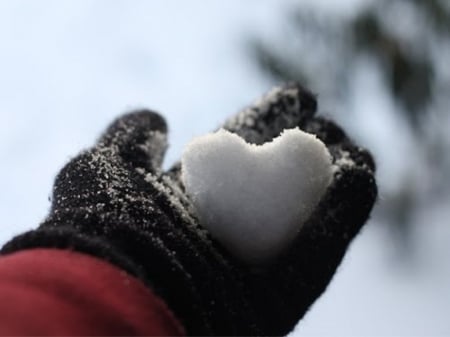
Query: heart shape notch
point(254, 199)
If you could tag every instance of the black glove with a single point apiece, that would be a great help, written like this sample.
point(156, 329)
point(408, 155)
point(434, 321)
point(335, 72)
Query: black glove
point(114, 202)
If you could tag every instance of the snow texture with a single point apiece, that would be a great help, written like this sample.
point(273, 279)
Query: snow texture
point(253, 198)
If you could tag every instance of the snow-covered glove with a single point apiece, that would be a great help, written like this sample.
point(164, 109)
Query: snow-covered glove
point(115, 202)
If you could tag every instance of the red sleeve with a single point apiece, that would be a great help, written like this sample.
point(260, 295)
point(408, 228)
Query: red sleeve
point(60, 292)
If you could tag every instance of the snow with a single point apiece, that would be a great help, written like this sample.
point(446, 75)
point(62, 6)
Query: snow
point(255, 198)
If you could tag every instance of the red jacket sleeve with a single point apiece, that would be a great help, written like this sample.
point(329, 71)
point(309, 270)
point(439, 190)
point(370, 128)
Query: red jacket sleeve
point(60, 292)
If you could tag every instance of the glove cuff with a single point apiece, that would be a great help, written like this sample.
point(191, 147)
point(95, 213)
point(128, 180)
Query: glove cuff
point(219, 309)
point(68, 239)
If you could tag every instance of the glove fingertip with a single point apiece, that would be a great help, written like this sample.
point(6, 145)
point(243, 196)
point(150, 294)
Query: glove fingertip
point(135, 121)
point(284, 107)
point(139, 137)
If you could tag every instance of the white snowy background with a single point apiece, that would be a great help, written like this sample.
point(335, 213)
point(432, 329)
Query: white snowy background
point(67, 68)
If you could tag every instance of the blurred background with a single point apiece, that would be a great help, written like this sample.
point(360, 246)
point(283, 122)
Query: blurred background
point(380, 68)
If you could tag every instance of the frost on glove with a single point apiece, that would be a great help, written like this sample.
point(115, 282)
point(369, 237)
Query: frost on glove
point(115, 202)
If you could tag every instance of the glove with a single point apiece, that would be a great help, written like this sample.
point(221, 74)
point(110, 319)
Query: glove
point(114, 202)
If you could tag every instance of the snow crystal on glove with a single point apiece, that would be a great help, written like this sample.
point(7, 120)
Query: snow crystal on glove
point(253, 198)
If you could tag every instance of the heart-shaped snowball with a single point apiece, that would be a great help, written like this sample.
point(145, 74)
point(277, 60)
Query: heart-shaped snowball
point(254, 199)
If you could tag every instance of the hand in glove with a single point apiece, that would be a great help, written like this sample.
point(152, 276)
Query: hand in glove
point(115, 202)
